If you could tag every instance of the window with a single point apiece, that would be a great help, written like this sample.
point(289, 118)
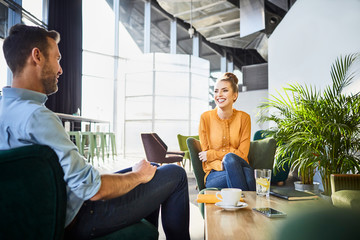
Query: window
point(3, 67)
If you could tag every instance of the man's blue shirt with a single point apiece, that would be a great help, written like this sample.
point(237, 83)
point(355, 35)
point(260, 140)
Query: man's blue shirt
point(24, 120)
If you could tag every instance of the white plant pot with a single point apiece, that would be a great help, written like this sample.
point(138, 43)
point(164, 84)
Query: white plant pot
point(314, 188)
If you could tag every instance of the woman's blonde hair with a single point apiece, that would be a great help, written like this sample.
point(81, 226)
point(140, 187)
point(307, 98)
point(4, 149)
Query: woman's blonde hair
point(230, 77)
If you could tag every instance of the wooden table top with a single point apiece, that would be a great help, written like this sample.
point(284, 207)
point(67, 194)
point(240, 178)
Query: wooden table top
point(245, 223)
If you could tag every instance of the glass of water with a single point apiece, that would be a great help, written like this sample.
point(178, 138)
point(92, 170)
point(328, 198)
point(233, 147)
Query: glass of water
point(262, 178)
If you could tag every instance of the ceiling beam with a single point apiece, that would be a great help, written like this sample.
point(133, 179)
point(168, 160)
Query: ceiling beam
point(199, 8)
point(219, 24)
point(221, 12)
point(225, 35)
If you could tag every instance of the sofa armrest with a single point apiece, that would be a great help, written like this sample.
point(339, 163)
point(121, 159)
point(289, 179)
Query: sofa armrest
point(344, 182)
point(33, 199)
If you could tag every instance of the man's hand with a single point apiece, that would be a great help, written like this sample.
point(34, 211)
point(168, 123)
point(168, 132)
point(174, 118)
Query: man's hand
point(202, 156)
point(144, 170)
point(116, 185)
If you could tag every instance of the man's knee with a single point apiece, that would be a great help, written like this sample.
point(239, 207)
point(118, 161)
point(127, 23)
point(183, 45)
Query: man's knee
point(174, 172)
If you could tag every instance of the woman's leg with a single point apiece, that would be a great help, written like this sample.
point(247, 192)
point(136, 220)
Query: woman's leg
point(216, 179)
point(238, 172)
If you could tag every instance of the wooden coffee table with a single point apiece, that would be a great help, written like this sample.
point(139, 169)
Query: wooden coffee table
point(245, 223)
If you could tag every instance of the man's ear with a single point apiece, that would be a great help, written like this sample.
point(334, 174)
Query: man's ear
point(36, 55)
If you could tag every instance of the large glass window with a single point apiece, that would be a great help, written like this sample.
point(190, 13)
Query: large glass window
point(98, 65)
point(97, 93)
point(98, 27)
point(35, 8)
point(3, 67)
point(156, 92)
point(98, 60)
point(31, 15)
point(3, 20)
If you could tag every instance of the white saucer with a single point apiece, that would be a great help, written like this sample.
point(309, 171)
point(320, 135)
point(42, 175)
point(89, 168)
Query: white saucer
point(231, 208)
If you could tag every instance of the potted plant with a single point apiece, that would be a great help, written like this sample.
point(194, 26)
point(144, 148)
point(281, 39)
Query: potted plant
point(317, 130)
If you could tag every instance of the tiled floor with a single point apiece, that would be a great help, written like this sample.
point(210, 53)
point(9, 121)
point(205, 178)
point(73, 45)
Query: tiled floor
point(196, 220)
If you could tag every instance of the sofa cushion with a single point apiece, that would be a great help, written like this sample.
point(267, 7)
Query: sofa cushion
point(346, 199)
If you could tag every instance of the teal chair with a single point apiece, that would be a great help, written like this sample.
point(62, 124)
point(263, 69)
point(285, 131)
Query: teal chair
point(184, 148)
point(261, 155)
point(33, 198)
point(260, 134)
point(277, 175)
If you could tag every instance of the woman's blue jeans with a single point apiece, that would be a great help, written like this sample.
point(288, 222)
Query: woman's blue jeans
point(168, 189)
point(237, 173)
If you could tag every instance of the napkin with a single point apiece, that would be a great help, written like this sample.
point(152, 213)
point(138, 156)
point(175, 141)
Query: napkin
point(210, 198)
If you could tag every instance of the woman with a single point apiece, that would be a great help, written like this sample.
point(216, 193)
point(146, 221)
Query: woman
point(225, 140)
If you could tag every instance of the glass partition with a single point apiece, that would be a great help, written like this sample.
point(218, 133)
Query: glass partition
point(166, 94)
point(97, 93)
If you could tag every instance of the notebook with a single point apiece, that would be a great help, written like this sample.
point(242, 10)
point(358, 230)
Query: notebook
point(292, 195)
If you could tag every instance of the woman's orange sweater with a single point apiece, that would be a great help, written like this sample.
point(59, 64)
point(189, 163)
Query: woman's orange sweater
point(221, 136)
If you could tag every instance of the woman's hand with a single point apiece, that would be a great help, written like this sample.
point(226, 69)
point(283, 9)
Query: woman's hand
point(202, 156)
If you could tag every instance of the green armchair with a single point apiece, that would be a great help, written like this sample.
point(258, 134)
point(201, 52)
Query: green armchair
point(345, 189)
point(261, 155)
point(33, 198)
point(183, 147)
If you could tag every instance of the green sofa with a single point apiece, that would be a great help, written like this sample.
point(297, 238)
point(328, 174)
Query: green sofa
point(33, 198)
point(345, 190)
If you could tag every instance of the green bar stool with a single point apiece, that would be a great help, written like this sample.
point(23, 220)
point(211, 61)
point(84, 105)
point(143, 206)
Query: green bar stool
point(76, 135)
point(103, 144)
point(112, 141)
point(90, 138)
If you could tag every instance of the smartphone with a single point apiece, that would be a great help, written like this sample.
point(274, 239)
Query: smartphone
point(270, 212)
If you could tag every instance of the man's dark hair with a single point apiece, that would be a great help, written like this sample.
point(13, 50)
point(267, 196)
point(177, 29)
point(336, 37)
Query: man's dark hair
point(21, 40)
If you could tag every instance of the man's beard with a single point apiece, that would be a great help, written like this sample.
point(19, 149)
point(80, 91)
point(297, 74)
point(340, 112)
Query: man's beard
point(48, 79)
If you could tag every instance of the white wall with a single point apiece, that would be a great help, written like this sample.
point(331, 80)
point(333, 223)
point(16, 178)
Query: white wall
point(249, 102)
point(309, 39)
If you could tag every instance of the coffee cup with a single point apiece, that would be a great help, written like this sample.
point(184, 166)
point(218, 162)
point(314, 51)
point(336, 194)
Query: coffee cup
point(229, 196)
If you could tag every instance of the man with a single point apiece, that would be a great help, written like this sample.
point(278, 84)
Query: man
point(96, 204)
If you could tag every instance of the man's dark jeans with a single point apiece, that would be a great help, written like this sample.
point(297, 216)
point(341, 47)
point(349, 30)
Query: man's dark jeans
point(168, 189)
